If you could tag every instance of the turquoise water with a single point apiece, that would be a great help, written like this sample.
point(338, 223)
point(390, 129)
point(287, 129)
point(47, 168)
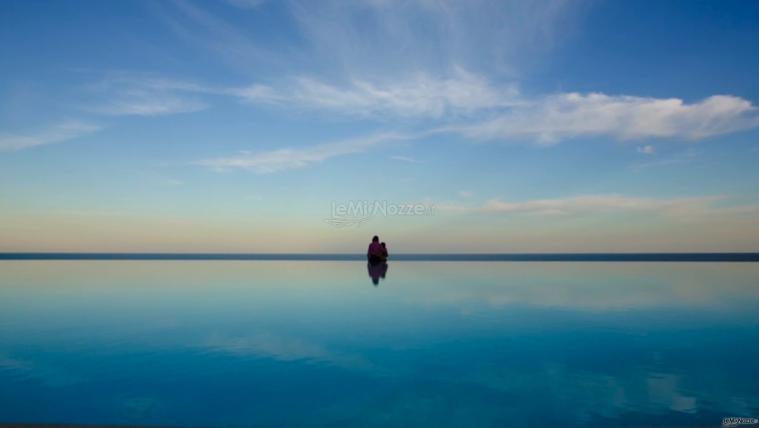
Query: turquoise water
point(433, 344)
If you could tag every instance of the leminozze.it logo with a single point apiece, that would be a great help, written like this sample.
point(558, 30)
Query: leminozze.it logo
point(734, 422)
point(356, 213)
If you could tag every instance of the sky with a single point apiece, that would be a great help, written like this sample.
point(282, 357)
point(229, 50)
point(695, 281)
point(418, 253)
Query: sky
point(474, 126)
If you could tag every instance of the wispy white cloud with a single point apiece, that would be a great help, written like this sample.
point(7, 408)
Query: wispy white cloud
point(146, 94)
point(675, 159)
point(420, 95)
point(564, 116)
point(381, 57)
point(149, 105)
point(64, 131)
point(389, 37)
point(292, 158)
point(246, 4)
point(200, 28)
point(601, 203)
point(407, 159)
point(646, 150)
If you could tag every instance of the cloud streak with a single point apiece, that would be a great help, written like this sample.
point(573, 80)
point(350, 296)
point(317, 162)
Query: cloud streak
point(150, 105)
point(147, 94)
point(420, 96)
point(380, 38)
point(199, 28)
point(407, 159)
point(570, 115)
point(58, 133)
point(602, 203)
point(271, 161)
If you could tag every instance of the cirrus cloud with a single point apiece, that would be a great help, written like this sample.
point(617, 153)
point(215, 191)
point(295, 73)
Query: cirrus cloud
point(605, 203)
point(270, 161)
point(146, 94)
point(570, 115)
point(57, 133)
point(420, 95)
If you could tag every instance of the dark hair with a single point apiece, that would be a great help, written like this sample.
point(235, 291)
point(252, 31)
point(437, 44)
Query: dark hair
point(375, 239)
point(383, 244)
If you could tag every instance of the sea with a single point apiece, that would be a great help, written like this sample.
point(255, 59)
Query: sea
point(288, 340)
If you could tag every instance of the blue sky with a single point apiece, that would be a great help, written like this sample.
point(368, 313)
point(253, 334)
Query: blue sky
point(237, 125)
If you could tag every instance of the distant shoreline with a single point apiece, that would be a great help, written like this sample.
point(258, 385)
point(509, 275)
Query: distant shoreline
point(480, 257)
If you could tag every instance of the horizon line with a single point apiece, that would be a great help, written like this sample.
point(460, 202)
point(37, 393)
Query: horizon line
point(562, 256)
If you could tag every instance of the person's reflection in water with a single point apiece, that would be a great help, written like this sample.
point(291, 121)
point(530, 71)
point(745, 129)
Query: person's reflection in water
point(376, 271)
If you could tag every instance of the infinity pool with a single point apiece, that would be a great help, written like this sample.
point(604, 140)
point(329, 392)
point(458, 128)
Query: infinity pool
point(432, 344)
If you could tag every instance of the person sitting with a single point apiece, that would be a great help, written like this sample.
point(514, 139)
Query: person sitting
point(375, 253)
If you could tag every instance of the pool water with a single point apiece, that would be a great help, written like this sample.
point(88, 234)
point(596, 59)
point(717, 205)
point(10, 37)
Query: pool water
point(431, 344)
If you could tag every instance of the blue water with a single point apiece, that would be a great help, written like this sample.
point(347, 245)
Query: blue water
point(432, 344)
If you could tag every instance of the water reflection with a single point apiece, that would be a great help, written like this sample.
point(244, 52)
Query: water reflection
point(376, 271)
point(440, 344)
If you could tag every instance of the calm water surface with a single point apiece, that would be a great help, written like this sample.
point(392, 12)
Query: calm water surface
point(433, 344)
